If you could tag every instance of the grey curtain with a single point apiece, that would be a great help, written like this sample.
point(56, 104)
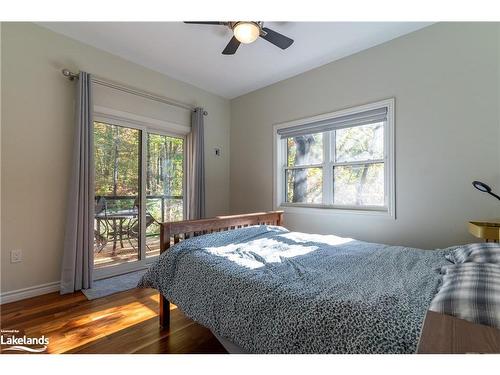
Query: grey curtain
point(78, 257)
point(196, 166)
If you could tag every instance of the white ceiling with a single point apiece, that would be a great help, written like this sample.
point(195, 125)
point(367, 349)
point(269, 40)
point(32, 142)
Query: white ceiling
point(192, 53)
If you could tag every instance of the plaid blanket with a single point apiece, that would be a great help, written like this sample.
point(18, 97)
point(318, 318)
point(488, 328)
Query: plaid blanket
point(477, 253)
point(470, 291)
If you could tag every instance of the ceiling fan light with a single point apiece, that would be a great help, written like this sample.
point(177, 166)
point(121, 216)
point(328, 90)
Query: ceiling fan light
point(246, 32)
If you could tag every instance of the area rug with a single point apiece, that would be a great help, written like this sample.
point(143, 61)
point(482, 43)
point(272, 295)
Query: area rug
point(112, 285)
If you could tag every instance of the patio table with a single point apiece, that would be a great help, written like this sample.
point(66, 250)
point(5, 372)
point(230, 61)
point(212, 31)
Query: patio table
point(116, 217)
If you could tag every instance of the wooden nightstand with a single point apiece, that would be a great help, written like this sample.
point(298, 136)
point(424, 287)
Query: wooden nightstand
point(445, 334)
point(487, 230)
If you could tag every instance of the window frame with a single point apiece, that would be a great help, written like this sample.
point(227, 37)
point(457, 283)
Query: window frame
point(280, 166)
point(286, 168)
point(145, 125)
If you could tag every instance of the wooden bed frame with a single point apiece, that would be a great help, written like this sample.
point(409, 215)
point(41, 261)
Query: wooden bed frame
point(174, 232)
point(441, 333)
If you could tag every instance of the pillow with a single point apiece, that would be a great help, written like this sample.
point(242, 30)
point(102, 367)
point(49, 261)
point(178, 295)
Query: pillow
point(470, 291)
point(486, 252)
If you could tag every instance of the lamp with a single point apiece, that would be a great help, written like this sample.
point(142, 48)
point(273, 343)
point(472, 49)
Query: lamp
point(246, 32)
point(481, 186)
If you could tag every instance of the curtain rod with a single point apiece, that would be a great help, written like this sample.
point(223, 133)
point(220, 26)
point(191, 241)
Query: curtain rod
point(72, 76)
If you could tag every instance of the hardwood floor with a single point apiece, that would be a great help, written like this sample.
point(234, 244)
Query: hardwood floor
point(125, 322)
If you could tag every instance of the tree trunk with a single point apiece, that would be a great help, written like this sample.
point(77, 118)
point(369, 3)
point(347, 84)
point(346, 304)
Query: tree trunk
point(303, 146)
point(167, 178)
point(115, 164)
point(149, 171)
point(359, 188)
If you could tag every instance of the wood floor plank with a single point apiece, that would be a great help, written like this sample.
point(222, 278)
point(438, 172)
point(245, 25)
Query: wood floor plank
point(193, 339)
point(125, 322)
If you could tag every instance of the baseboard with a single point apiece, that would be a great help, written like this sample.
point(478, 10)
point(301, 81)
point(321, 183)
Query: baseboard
point(32, 291)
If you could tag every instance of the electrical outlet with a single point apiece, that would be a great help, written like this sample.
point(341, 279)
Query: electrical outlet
point(16, 256)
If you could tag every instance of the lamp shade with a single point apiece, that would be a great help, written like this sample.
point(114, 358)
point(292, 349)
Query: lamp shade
point(246, 32)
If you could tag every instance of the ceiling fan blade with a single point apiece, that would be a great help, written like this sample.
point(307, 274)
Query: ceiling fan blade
point(206, 22)
point(276, 38)
point(231, 47)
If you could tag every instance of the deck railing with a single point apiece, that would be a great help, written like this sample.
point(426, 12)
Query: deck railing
point(120, 198)
point(116, 217)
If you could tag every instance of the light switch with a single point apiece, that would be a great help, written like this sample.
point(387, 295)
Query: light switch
point(16, 256)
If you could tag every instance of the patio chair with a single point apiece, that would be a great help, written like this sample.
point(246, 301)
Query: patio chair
point(135, 227)
point(100, 214)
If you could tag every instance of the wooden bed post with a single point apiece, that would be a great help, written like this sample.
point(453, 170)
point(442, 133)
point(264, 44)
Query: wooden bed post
point(164, 303)
point(279, 221)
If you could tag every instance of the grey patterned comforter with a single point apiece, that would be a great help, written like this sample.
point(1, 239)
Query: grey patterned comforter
point(269, 290)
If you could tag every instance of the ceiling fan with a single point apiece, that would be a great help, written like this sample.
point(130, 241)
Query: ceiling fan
point(247, 32)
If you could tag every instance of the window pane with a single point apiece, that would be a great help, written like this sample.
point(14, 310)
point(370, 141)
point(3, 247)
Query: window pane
point(164, 186)
point(360, 143)
point(165, 165)
point(360, 185)
point(116, 153)
point(117, 203)
point(305, 150)
point(304, 185)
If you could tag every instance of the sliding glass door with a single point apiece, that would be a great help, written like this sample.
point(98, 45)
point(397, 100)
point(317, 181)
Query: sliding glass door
point(164, 186)
point(139, 183)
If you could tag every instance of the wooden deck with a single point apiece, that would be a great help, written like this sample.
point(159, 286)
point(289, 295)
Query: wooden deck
point(125, 322)
point(108, 257)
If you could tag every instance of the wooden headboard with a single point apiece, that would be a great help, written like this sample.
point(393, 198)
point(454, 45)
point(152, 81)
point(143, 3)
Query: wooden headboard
point(173, 232)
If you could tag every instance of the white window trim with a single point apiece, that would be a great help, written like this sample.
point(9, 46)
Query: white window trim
point(389, 166)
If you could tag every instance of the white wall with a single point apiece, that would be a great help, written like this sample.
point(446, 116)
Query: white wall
point(37, 118)
point(445, 79)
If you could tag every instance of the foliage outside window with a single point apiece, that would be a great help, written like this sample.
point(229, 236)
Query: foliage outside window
point(165, 176)
point(343, 168)
point(117, 163)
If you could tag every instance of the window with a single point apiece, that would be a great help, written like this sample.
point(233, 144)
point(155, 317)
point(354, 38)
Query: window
point(164, 186)
point(117, 186)
point(342, 160)
point(139, 181)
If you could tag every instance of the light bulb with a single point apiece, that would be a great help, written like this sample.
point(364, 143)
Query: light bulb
point(246, 32)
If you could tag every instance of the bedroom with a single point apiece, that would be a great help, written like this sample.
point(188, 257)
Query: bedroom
point(362, 139)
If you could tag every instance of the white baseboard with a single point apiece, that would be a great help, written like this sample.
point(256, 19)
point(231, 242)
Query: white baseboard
point(32, 291)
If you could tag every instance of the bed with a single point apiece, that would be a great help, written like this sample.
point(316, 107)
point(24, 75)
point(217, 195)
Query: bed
point(263, 289)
